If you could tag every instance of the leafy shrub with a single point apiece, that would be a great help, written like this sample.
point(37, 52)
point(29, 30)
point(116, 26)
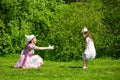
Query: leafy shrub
point(56, 23)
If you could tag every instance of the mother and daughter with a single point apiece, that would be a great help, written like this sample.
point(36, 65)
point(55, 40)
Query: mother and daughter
point(29, 60)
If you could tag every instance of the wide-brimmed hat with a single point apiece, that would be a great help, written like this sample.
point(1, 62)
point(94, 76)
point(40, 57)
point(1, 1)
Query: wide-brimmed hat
point(29, 38)
point(84, 29)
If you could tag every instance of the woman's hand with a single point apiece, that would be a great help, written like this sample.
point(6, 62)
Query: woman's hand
point(44, 48)
point(30, 55)
point(51, 47)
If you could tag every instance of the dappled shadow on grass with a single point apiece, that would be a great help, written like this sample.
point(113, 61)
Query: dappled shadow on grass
point(70, 66)
point(11, 66)
point(14, 67)
point(75, 67)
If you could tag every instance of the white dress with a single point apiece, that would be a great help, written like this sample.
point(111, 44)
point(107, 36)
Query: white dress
point(90, 51)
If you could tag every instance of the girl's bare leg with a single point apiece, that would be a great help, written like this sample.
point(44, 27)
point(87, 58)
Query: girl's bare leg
point(85, 64)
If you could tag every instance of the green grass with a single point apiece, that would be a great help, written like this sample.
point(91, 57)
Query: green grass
point(99, 69)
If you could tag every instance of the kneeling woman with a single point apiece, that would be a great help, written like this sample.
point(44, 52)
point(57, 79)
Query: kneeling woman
point(27, 59)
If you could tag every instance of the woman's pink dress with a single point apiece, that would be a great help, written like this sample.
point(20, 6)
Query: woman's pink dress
point(28, 60)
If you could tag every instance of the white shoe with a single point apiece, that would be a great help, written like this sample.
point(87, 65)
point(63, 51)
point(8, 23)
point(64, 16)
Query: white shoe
point(84, 67)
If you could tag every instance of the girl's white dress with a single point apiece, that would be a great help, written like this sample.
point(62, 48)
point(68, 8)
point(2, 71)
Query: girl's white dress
point(90, 51)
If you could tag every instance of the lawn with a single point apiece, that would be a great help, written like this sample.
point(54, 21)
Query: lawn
point(99, 69)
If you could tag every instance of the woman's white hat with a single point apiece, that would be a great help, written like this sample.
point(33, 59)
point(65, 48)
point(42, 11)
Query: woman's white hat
point(84, 29)
point(29, 38)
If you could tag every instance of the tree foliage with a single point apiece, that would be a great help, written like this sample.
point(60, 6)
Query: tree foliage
point(112, 22)
point(59, 24)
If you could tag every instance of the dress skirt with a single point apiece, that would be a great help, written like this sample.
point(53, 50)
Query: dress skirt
point(27, 61)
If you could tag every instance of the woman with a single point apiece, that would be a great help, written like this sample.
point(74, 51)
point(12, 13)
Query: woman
point(27, 59)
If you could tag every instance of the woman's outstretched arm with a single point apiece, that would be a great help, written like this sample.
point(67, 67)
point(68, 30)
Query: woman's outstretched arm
point(44, 48)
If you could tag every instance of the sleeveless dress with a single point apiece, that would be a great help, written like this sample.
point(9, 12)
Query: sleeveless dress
point(90, 51)
point(28, 60)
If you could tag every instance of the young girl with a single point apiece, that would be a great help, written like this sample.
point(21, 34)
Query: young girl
point(90, 51)
point(27, 59)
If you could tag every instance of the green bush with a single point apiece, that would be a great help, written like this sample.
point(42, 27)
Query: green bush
point(59, 24)
point(112, 22)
